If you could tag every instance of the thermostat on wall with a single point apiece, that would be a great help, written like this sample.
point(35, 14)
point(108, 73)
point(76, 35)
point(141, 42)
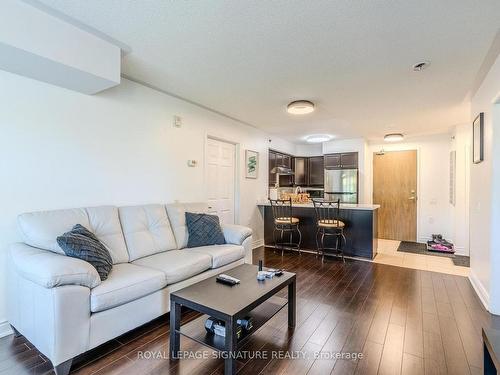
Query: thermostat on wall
point(192, 163)
point(177, 121)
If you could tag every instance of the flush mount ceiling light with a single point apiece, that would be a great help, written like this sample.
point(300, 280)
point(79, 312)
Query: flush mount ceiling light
point(318, 138)
point(393, 137)
point(418, 67)
point(300, 107)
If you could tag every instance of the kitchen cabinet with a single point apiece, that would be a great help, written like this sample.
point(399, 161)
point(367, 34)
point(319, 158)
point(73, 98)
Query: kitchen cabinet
point(286, 160)
point(349, 160)
point(272, 164)
point(316, 171)
point(309, 171)
point(286, 180)
point(301, 171)
point(279, 159)
point(332, 161)
point(345, 160)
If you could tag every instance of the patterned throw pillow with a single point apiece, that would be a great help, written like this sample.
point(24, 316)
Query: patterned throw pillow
point(204, 230)
point(81, 243)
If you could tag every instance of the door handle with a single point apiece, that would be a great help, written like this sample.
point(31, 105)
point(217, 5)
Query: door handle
point(413, 195)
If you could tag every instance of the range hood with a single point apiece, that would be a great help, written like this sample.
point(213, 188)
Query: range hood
point(282, 170)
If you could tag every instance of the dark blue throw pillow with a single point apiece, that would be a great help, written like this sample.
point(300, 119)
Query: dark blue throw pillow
point(81, 243)
point(204, 230)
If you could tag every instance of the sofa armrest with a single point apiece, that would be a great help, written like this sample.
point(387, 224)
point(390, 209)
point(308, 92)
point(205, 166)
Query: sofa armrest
point(49, 269)
point(236, 234)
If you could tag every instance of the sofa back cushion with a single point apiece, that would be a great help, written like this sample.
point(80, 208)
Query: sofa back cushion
point(41, 229)
point(105, 224)
point(177, 216)
point(147, 230)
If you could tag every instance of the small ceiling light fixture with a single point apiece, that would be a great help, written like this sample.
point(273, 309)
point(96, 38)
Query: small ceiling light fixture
point(418, 67)
point(300, 107)
point(318, 138)
point(393, 137)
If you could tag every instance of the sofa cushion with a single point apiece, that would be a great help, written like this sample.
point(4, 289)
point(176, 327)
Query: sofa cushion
point(147, 230)
point(105, 224)
point(126, 282)
point(177, 216)
point(177, 265)
point(83, 244)
point(204, 230)
point(40, 229)
point(221, 254)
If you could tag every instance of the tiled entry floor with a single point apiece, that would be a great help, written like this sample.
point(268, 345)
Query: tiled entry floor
point(388, 254)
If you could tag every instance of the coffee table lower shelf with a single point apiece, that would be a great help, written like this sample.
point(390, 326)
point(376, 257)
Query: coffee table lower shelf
point(195, 330)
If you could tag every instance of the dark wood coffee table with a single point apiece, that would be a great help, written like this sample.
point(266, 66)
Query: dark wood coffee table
point(491, 351)
point(230, 303)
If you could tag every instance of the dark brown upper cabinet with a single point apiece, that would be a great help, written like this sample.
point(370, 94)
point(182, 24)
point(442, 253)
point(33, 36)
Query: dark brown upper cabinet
point(301, 171)
point(316, 171)
point(272, 164)
point(287, 161)
point(349, 160)
point(279, 159)
point(345, 160)
point(332, 161)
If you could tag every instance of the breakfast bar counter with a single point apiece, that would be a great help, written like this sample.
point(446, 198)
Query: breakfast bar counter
point(360, 229)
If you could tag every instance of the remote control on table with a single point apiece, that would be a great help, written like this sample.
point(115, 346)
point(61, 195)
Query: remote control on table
point(226, 279)
point(276, 272)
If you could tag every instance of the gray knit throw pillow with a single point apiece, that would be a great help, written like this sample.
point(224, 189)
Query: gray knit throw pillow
point(204, 230)
point(81, 243)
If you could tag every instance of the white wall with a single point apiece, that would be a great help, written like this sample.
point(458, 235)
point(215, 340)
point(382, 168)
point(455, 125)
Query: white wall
point(60, 149)
point(435, 213)
point(484, 191)
point(309, 150)
point(358, 145)
point(461, 144)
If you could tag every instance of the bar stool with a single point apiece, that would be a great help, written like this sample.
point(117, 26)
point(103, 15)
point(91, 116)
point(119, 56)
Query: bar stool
point(329, 224)
point(285, 222)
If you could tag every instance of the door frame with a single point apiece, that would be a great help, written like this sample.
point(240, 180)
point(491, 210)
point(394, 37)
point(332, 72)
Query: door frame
point(236, 171)
point(403, 148)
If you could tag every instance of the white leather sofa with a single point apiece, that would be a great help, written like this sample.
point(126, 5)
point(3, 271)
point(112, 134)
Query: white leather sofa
point(60, 304)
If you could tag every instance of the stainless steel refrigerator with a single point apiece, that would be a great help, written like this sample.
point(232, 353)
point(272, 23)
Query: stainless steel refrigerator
point(341, 184)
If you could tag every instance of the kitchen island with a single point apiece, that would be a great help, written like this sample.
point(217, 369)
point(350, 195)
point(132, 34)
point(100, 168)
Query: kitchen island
point(360, 229)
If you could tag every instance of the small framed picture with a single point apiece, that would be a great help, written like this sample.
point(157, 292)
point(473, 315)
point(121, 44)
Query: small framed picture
point(251, 164)
point(478, 139)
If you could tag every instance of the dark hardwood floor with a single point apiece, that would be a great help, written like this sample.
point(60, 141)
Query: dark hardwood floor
point(403, 321)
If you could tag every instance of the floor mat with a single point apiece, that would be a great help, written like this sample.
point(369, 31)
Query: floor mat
point(421, 248)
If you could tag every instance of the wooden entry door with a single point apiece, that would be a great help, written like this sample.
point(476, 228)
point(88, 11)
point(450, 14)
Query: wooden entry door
point(221, 179)
point(395, 190)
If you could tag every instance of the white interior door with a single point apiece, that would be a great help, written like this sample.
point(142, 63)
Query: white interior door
point(221, 179)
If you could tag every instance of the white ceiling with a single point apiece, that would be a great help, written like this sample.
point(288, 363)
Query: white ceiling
point(249, 58)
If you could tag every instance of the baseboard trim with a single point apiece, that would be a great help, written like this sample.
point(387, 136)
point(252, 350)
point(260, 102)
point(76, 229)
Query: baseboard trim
point(5, 329)
point(483, 295)
point(459, 250)
point(257, 243)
